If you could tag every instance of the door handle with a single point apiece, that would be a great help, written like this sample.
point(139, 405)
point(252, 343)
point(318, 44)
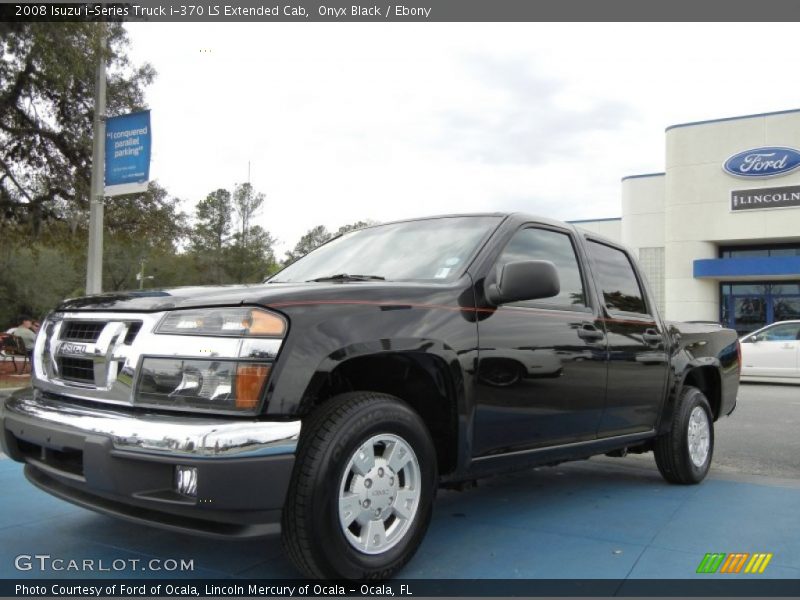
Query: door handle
point(587, 331)
point(651, 336)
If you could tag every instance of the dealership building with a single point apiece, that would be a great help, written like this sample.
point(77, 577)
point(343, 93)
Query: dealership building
point(718, 232)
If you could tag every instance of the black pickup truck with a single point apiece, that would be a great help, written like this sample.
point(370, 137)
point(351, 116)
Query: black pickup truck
point(332, 401)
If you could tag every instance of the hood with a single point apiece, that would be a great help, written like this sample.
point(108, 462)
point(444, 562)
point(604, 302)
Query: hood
point(263, 294)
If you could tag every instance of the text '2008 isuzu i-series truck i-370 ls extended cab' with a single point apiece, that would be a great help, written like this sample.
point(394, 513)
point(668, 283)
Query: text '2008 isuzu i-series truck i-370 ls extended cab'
point(334, 399)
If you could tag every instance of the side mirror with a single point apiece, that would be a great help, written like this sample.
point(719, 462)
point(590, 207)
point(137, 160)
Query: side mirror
point(524, 280)
point(752, 339)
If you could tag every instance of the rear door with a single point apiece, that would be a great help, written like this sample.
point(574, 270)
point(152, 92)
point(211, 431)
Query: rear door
point(542, 364)
point(637, 348)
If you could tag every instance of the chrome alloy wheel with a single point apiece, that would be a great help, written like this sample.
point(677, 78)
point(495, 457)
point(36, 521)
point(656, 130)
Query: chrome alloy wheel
point(379, 493)
point(699, 436)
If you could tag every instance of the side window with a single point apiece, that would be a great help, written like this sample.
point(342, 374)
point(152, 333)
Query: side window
point(617, 280)
point(782, 333)
point(544, 244)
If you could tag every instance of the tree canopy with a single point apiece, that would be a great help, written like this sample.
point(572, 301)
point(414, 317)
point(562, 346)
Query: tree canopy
point(46, 111)
point(47, 77)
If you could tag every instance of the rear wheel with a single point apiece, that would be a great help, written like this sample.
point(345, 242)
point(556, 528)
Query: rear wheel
point(683, 455)
point(362, 490)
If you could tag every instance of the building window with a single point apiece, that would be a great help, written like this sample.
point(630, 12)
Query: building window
point(746, 307)
point(760, 251)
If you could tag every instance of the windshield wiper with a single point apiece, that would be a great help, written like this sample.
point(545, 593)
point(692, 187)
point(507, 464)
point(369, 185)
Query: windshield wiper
point(346, 277)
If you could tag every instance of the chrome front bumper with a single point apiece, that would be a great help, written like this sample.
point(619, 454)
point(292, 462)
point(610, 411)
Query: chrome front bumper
point(176, 435)
point(123, 462)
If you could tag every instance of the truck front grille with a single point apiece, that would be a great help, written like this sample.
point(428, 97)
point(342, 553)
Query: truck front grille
point(133, 330)
point(76, 369)
point(82, 331)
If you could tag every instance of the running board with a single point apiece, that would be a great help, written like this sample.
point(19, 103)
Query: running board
point(520, 459)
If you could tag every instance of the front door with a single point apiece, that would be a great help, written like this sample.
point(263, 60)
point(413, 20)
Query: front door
point(541, 372)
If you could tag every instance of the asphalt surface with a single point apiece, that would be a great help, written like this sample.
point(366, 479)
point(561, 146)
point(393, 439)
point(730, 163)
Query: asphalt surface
point(605, 518)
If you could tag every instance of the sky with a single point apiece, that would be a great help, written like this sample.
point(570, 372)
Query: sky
point(342, 122)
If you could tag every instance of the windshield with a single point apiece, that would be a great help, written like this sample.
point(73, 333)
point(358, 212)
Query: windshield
point(435, 249)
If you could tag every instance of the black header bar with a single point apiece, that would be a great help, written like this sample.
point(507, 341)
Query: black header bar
point(411, 11)
point(706, 585)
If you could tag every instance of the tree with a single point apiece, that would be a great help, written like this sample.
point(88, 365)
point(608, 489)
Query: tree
point(254, 261)
point(353, 226)
point(313, 238)
point(247, 203)
point(211, 233)
point(214, 221)
point(46, 111)
point(245, 256)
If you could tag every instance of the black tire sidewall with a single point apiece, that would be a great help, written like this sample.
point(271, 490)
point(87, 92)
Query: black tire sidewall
point(694, 398)
point(382, 416)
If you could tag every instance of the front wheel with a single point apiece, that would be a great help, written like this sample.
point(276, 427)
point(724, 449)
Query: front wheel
point(362, 490)
point(683, 455)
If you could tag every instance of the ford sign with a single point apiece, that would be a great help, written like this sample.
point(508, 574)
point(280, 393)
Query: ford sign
point(763, 162)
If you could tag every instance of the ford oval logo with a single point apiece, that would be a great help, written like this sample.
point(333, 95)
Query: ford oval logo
point(763, 162)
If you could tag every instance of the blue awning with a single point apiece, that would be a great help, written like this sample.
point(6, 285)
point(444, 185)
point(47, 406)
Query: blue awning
point(748, 269)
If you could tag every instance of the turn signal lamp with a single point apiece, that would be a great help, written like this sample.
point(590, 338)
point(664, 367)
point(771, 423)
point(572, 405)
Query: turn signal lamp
point(250, 380)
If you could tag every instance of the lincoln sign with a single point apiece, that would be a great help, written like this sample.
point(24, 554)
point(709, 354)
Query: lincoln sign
point(780, 197)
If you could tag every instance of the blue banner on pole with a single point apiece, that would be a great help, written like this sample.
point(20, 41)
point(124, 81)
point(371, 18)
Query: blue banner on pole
point(128, 144)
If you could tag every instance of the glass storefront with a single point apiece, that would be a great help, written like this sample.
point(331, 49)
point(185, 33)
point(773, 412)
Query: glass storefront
point(749, 306)
point(759, 251)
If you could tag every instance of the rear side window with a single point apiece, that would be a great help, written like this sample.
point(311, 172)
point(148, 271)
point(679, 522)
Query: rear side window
point(544, 244)
point(617, 280)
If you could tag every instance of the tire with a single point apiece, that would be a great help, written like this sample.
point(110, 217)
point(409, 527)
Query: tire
point(387, 517)
point(692, 418)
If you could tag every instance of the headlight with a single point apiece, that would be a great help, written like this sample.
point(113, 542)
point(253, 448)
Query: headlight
point(234, 322)
point(201, 384)
point(228, 376)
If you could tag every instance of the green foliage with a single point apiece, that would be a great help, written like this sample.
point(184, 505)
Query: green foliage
point(34, 279)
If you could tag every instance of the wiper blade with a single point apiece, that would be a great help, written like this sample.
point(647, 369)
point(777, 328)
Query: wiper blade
point(346, 277)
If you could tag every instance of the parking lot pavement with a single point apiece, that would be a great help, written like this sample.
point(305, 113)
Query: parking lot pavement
point(583, 520)
point(603, 518)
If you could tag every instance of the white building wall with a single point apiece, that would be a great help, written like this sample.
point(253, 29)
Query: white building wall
point(697, 203)
point(609, 228)
point(643, 228)
point(671, 219)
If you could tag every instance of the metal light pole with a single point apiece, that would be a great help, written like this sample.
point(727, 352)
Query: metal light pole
point(94, 263)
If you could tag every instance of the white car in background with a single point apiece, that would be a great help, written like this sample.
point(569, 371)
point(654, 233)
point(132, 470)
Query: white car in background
point(772, 353)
